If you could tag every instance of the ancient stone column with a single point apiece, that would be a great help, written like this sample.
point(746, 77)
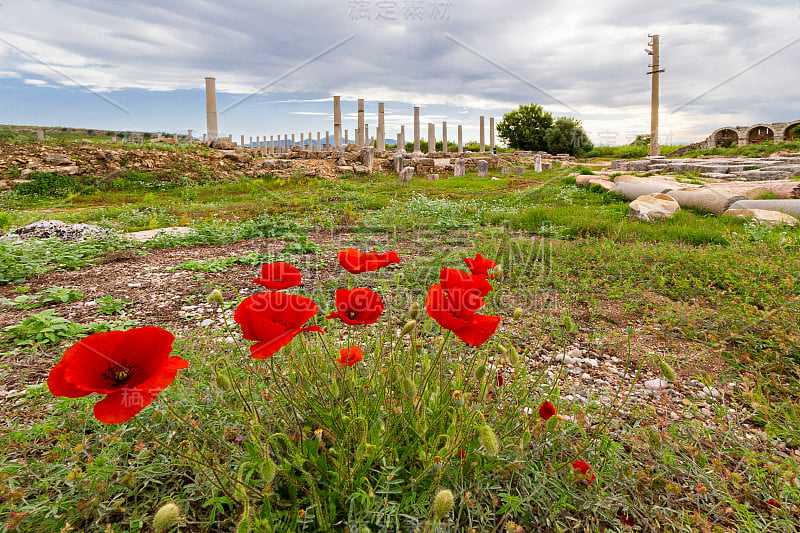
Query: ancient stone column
point(40, 135)
point(346, 137)
point(360, 130)
point(431, 138)
point(337, 122)
point(191, 140)
point(416, 131)
point(483, 168)
point(271, 144)
point(174, 137)
point(460, 140)
point(537, 163)
point(310, 146)
point(293, 145)
point(327, 140)
point(211, 108)
point(302, 144)
point(399, 147)
point(403, 138)
point(365, 137)
point(460, 168)
point(264, 149)
point(381, 129)
point(444, 138)
point(491, 135)
point(406, 174)
point(482, 138)
point(318, 148)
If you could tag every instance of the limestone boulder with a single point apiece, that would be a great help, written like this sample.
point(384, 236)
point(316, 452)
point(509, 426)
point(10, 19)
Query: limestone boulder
point(772, 218)
point(654, 206)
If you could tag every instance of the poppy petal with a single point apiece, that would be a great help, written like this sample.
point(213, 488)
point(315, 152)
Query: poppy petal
point(61, 387)
point(124, 404)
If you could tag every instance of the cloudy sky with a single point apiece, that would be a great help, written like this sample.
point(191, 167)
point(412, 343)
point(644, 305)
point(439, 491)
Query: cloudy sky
point(141, 64)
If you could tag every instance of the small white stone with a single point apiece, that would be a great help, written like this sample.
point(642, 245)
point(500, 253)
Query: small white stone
point(229, 340)
point(706, 412)
point(90, 303)
point(134, 285)
point(711, 392)
point(575, 352)
point(591, 362)
point(205, 323)
point(656, 384)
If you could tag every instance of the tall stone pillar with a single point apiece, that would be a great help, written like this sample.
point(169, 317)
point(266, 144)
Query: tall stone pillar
point(403, 138)
point(258, 142)
point(431, 138)
point(318, 148)
point(366, 135)
point(327, 140)
point(346, 137)
point(242, 139)
point(264, 149)
point(211, 108)
point(416, 131)
point(399, 147)
point(302, 144)
point(444, 138)
point(482, 138)
point(337, 122)
point(360, 137)
point(310, 146)
point(271, 144)
point(491, 135)
point(460, 140)
point(191, 140)
point(381, 129)
point(293, 145)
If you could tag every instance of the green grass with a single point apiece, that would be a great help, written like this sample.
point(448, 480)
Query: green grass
point(696, 286)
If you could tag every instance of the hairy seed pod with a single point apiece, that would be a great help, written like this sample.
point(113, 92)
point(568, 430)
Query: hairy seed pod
point(667, 370)
point(443, 503)
point(488, 440)
point(267, 470)
point(166, 517)
point(413, 311)
point(513, 355)
point(408, 328)
point(215, 297)
point(517, 313)
point(223, 382)
point(480, 372)
point(409, 388)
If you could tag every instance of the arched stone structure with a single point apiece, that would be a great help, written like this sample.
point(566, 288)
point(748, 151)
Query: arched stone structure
point(725, 137)
point(760, 133)
point(792, 131)
point(757, 133)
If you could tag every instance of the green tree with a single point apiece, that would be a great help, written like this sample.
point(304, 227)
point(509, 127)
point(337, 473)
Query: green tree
point(567, 137)
point(524, 129)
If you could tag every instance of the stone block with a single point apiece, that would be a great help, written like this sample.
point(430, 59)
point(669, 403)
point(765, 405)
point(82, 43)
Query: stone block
point(771, 218)
point(406, 174)
point(459, 168)
point(432, 177)
point(483, 168)
point(519, 171)
point(653, 207)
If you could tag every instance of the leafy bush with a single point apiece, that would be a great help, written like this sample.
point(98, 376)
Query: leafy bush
point(5, 221)
point(566, 136)
point(525, 128)
point(48, 329)
point(49, 185)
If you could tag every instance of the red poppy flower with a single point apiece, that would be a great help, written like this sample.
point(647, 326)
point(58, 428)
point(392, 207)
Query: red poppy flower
point(455, 310)
point(357, 306)
point(585, 470)
point(452, 277)
point(279, 276)
point(355, 262)
point(500, 380)
point(480, 266)
point(546, 411)
point(350, 355)
point(130, 367)
point(274, 319)
point(626, 520)
point(772, 503)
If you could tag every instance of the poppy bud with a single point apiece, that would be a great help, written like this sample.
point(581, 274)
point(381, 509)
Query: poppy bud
point(166, 518)
point(267, 470)
point(517, 313)
point(502, 349)
point(443, 503)
point(215, 297)
point(488, 440)
point(396, 374)
point(480, 372)
point(223, 382)
point(667, 370)
point(409, 388)
point(497, 271)
point(513, 355)
point(409, 327)
point(413, 311)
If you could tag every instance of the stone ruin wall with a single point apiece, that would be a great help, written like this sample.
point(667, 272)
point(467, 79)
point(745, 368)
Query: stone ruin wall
point(757, 133)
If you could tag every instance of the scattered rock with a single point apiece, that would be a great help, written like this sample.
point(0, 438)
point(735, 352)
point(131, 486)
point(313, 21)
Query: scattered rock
point(772, 218)
point(655, 206)
point(656, 384)
point(45, 229)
